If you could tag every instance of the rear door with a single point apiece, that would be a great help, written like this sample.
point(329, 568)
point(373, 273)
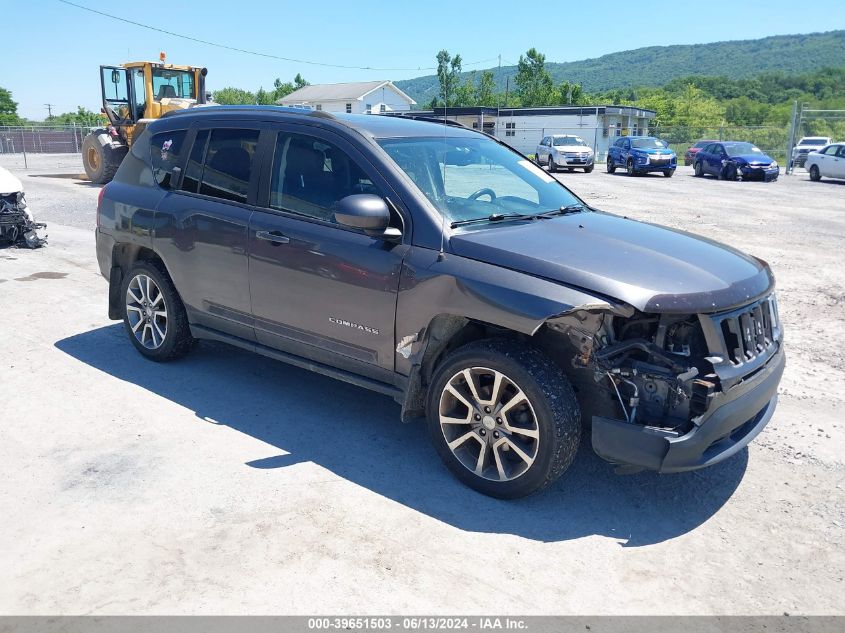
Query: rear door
point(836, 163)
point(201, 229)
point(321, 290)
point(543, 150)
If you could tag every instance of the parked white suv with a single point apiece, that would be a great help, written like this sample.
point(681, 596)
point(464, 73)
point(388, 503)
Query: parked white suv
point(805, 146)
point(828, 162)
point(564, 150)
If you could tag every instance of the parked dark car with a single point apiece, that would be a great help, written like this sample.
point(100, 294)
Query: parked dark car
point(689, 155)
point(641, 154)
point(436, 265)
point(732, 160)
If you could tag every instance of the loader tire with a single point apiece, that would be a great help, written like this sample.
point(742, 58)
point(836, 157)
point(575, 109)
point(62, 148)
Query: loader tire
point(100, 157)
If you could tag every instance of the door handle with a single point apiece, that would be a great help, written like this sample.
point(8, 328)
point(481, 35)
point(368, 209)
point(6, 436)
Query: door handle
point(272, 236)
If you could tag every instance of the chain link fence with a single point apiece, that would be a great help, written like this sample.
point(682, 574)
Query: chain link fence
point(772, 140)
point(43, 146)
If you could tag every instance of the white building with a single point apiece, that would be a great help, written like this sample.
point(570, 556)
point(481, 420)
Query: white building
point(524, 128)
point(363, 97)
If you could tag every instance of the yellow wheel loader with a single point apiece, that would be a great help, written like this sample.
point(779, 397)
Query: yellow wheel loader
point(134, 94)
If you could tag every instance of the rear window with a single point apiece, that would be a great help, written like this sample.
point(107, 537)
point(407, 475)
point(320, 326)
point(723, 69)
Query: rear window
point(166, 152)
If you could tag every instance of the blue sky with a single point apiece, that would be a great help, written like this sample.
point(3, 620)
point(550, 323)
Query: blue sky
point(57, 48)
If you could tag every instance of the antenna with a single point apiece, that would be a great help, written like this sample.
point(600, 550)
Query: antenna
point(441, 255)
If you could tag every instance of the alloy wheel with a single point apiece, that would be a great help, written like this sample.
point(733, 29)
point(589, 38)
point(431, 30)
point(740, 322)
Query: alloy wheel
point(489, 424)
point(146, 311)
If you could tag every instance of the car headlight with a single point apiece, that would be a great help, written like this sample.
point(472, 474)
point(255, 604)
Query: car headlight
point(774, 164)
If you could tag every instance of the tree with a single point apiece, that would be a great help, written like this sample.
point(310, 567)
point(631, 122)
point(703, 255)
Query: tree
point(449, 76)
point(82, 116)
point(533, 82)
point(485, 93)
point(8, 109)
point(570, 94)
point(233, 96)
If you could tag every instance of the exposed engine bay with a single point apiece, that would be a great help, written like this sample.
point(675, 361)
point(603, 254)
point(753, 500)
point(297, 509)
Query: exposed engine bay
point(652, 370)
point(17, 226)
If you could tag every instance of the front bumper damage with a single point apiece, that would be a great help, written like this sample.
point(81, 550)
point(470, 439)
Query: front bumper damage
point(734, 418)
point(17, 226)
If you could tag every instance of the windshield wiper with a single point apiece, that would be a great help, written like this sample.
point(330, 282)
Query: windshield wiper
point(494, 217)
point(565, 210)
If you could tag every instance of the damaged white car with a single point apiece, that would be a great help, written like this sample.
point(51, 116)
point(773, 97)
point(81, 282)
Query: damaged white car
point(17, 226)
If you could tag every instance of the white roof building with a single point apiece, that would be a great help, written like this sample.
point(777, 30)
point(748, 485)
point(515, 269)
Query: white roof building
point(362, 97)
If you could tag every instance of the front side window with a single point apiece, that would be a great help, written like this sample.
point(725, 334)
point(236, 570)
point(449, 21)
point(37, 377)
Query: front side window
point(830, 150)
point(173, 84)
point(228, 163)
point(166, 150)
point(468, 178)
point(193, 170)
point(311, 175)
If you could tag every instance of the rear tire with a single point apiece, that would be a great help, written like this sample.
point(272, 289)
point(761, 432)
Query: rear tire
point(507, 442)
point(153, 314)
point(99, 158)
point(815, 174)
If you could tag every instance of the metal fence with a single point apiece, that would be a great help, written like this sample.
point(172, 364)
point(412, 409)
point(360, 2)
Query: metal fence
point(42, 139)
point(772, 140)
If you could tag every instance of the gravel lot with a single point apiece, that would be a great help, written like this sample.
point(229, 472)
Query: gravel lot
point(227, 483)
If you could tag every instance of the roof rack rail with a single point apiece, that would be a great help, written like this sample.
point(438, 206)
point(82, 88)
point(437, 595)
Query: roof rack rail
point(252, 108)
point(427, 117)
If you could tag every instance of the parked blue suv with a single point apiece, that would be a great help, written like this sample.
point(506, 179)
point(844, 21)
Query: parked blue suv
point(641, 154)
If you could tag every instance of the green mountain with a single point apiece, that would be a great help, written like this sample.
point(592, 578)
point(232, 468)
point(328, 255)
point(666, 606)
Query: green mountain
point(657, 65)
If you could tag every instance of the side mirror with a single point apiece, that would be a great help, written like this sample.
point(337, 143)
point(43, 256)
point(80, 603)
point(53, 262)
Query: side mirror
point(367, 212)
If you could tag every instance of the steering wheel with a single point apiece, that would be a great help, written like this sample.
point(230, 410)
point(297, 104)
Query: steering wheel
point(486, 191)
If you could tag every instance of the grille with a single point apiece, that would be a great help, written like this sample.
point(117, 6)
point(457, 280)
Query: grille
point(749, 332)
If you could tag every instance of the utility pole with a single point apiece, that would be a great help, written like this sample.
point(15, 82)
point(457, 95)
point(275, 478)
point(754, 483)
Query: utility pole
point(49, 107)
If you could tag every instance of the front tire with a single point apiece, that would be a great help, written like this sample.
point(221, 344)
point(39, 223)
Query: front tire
point(611, 167)
point(629, 167)
point(99, 158)
point(153, 314)
point(815, 174)
point(552, 166)
point(699, 171)
point(493, 422)
point(589, 169)
point(669, 173)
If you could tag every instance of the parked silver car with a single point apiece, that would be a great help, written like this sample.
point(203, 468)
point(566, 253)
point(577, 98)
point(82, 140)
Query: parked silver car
point(828, 162)
point(564, 150)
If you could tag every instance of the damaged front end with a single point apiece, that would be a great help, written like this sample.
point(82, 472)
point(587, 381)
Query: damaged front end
point(17, 226)
point(673, 392)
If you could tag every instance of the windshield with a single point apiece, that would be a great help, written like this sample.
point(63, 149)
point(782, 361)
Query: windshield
point(740, 149)
point(568, 140)
point(173, 84)
point(474, 178)
point(813, 141)
point(648, 143)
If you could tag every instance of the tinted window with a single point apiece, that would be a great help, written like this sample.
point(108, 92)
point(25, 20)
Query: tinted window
point(166, 153)
point(193, 170)
point(841, 153)
point(310, 175)
point(829, 150)
point(228, 164)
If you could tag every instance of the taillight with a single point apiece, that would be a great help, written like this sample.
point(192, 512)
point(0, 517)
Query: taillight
point(100, 204)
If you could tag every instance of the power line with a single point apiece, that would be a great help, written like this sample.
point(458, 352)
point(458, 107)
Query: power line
point(249, 52)
point(50, 107)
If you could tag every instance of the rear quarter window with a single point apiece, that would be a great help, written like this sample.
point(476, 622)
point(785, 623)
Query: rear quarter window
point(166, 152)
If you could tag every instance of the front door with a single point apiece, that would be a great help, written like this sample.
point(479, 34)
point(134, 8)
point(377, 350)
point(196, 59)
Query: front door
point(318, 289)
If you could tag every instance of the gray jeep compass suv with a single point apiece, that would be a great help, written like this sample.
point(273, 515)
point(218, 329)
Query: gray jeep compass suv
point(434, 264)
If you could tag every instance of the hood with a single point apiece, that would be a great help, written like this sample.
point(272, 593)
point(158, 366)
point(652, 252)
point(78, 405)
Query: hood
point(653, 268)
point(761, 159)
point(8, 182)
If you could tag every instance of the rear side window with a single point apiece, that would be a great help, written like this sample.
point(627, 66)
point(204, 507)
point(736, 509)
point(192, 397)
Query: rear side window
point(193, 170)
point(166, 152)
point(227, 162)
